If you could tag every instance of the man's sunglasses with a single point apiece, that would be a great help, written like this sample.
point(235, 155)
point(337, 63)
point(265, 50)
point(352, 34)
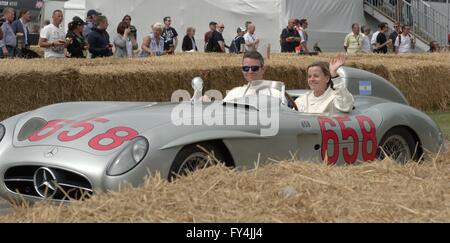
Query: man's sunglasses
point(253, 68)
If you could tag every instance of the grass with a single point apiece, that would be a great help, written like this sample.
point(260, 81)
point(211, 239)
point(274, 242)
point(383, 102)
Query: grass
point(443, 119)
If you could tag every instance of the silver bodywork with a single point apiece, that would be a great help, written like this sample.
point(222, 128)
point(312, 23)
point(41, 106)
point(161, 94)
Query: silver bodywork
point(299, 136)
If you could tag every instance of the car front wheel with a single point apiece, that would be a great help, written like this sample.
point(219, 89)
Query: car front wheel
point(194, 157)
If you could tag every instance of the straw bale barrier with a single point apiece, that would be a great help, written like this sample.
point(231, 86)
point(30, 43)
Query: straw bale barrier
point(280, 192)
point(29, 84)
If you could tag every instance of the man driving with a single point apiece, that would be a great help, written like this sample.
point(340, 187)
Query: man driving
point(253, 70)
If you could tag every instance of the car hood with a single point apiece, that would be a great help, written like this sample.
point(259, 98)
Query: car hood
point(90, 126)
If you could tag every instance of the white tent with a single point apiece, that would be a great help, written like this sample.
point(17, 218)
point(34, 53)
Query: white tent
point(329, 20)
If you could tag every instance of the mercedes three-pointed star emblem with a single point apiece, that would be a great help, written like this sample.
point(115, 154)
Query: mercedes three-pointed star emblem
point(51, 153)
point(45, 182)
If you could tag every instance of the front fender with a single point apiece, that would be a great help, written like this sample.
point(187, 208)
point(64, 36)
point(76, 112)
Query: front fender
point(429, 134)
point(208, 136)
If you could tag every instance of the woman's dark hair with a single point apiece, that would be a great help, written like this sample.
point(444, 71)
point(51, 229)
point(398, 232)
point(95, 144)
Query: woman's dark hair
point(122, 26)
point(325, 67)
point(126, 16)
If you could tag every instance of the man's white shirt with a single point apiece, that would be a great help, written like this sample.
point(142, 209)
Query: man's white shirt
point(243, 91)
point(52, 34)
point(250, 38)
point(405, 46)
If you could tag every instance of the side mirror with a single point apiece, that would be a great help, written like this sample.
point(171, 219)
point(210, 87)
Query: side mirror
point(197, 85)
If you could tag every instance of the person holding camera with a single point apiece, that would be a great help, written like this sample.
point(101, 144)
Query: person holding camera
point(124, 42)
point(133, 30)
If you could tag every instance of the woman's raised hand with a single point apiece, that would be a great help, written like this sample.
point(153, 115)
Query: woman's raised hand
point(336, 63)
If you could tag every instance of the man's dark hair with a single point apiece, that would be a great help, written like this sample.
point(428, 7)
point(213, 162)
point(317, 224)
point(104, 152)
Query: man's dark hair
point(166, 18)
point(297, 21)
point(382, 25)
point(23, 12)
point(57, 11)
point(405, 26)
point(355, 24)
point(303, 21)
point(254, 55)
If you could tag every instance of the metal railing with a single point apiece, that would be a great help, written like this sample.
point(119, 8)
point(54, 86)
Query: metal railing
point(426, 22)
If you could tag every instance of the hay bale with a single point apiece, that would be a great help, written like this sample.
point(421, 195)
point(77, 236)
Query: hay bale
point(282, 192)
point(30, 84)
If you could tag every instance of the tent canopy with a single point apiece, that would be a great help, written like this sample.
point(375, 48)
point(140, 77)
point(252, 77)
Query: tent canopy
point(329, 20)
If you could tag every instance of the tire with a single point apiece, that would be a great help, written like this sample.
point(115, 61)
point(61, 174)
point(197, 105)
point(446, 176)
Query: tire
point(398, 144)
point(192, 158)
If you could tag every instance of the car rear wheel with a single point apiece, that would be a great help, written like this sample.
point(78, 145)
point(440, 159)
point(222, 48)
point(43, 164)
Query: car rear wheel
point(195, 157)
point(399, 145)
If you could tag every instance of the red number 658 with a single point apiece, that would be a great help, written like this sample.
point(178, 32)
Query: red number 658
point(110, 140)
point(368, 131)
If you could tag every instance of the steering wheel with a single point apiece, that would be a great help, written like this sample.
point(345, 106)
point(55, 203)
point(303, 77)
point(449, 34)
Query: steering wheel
point(289, 98)
point(291, 101)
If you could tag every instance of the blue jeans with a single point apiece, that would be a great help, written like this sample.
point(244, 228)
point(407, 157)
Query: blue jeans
point(11, 51)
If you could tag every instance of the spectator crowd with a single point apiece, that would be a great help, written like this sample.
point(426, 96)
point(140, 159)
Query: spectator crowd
point(89, 38)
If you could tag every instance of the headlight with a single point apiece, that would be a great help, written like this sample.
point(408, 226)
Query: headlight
point(2, 132)
point(129, 158)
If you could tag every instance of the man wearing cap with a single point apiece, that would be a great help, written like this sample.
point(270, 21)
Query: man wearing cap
point(237, 45)
point(90, 22)
point(77, 47)
point(212, 28)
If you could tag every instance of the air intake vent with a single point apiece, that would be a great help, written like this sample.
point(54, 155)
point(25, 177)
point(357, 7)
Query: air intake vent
point(46, 182)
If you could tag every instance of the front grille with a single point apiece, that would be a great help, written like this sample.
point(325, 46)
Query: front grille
point(70, 185)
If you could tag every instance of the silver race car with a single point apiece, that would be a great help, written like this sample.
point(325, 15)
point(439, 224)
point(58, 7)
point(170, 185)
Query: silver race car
point(71, 150)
